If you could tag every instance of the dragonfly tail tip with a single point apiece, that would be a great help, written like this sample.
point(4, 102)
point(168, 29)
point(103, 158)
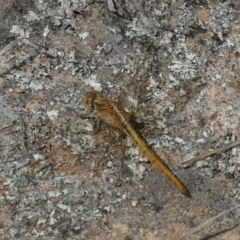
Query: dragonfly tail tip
point(187, 194)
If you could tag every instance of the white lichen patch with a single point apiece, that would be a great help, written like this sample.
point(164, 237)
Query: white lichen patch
point(83, 35)
point(134, 203)
point(137, 169)
point(32, 16)
point(137, 27)
point(36, 85)
point(64, 207)
point(85, 142)
point(53, 114)
point(182, 69)
point(38, 156)
point(93, 82)
point(46, 31)
point(80, 126)
point(20, 32)
point(54, 194)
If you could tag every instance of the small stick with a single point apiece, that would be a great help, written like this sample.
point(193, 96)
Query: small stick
point(8, 47)
point(208, 154)
point(197, 228)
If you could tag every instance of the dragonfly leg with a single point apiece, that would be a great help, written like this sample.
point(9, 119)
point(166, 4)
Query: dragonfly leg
point(122, 139)
point(96, 126)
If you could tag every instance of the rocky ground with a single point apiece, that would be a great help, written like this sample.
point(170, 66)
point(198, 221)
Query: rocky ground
point(174, 63)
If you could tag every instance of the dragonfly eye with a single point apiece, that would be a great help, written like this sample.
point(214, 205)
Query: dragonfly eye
point(98, 96)
point(91, 98)
point(88, 101)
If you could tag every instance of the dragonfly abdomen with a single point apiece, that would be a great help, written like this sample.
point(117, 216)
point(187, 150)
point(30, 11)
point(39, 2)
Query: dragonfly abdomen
point(154, 158)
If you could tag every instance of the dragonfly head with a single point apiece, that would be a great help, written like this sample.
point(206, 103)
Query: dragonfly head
point(90, 98)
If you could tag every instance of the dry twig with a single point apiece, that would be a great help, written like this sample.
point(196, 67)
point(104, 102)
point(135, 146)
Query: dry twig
point(197, 228)
point(208, 154)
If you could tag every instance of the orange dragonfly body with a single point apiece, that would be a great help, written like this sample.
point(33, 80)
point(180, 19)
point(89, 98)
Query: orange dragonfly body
point(113, 113)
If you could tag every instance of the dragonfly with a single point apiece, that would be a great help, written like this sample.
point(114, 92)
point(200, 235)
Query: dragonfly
point(113, 114)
